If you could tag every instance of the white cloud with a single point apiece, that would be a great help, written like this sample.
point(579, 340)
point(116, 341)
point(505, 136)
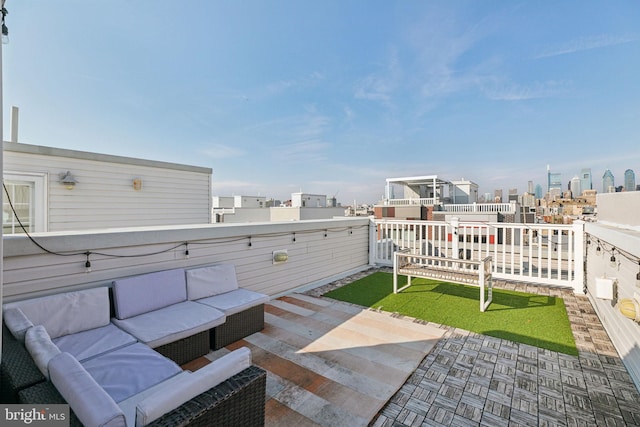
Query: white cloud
point(220, 151)
point(516, 92)
point(381, 84)
point(281, 86)
point(587, 43)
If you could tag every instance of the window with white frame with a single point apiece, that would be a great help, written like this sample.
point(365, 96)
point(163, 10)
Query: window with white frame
point(27, 194)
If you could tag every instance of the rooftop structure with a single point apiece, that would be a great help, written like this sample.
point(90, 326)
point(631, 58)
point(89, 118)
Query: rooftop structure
point(100, 191)
point(428, 190)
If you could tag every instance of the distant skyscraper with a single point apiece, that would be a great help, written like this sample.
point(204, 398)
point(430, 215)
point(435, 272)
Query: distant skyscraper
point(555, 181)
point(497, 196)
point(538, 191)
point(513, 195)
point(530, 187)
point(629, 180)
point(608, 185)
point(575, 187)
point(585, 179)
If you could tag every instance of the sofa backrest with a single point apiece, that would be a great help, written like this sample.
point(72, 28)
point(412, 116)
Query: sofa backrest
point(67, 313)
point(148, 292)
point(203, 282)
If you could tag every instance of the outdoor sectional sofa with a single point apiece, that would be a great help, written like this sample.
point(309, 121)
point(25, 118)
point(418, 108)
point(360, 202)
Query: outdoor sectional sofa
point(216, 286)
point(125, 366)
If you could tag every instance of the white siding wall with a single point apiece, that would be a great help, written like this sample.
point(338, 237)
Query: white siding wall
point(624, 332)
point(313, 258)
point(240, 215)
point(104, 196)
point(301, 214)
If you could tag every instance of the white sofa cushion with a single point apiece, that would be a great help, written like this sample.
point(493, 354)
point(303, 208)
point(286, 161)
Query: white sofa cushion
point(235, 301)
point(41, 348)
point(127, 371)
point(204, 282)
point(129, 405)
point(94, 342)
point(16, 322)
point(148, 292)
point(169, 398)
point(68, 313)
point(171, 323)
point(91, 404)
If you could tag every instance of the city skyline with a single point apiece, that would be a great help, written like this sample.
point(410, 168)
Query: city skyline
point(333, 98)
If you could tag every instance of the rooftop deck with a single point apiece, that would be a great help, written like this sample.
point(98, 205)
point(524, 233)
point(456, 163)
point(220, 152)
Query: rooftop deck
point(465, 379)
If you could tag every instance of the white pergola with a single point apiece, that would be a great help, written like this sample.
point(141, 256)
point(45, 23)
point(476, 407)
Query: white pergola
point(429, 181)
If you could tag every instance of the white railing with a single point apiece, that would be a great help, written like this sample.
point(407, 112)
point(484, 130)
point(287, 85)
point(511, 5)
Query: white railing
point(536, 253)
point(481, 207)
point(461, 207)
point(428, 201)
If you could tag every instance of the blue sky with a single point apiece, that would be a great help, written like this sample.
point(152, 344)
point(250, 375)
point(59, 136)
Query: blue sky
point(333, 97)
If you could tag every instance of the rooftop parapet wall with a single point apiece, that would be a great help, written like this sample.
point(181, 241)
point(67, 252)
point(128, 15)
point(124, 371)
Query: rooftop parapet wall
point(319, 252)
point(619, 209)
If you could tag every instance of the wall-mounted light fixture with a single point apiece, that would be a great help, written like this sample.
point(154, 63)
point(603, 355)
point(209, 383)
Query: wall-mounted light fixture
point(68, 180)
point(137, 184)
point(612, 260)
point(280, 256)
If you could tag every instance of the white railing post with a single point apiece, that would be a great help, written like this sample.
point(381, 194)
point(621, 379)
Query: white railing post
point(455, 222)
point(578, 258)
point(373, 242)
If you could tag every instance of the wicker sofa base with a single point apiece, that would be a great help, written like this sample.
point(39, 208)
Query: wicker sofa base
point(237, 401)
point(186, 349)
point(238, 326)
point(17, 370)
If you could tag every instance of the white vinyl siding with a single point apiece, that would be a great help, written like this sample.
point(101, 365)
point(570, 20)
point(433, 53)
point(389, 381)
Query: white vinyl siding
point(313, 258)
point(104, 196)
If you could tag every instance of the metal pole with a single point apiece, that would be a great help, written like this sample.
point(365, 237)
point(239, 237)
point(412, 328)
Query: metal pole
point(1, 166)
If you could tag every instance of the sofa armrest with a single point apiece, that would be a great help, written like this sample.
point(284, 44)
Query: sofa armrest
point(17, 322)
point(41, 348)
point(239, 400)
point(195, 383)
point(89, 401)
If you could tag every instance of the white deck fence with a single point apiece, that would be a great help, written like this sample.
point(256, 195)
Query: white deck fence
point(550, 254)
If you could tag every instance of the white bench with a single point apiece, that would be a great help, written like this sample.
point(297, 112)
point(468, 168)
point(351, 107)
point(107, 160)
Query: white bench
point(466, 272)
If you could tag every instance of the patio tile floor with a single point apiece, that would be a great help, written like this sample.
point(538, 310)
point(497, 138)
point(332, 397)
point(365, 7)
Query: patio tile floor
point(470, 379)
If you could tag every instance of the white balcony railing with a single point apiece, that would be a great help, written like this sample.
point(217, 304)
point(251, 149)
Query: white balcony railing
point(428, 201)
point(461, 207)
point(481, 207)
point(536, 253)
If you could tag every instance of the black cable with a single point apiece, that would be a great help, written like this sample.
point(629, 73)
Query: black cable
point(87, 253)
point(186, 244)
point(29, 235)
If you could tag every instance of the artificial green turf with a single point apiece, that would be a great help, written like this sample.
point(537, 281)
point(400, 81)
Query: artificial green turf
point(536, 320)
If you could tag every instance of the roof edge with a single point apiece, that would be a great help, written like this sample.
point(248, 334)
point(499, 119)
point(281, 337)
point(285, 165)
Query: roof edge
point(20, 147)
